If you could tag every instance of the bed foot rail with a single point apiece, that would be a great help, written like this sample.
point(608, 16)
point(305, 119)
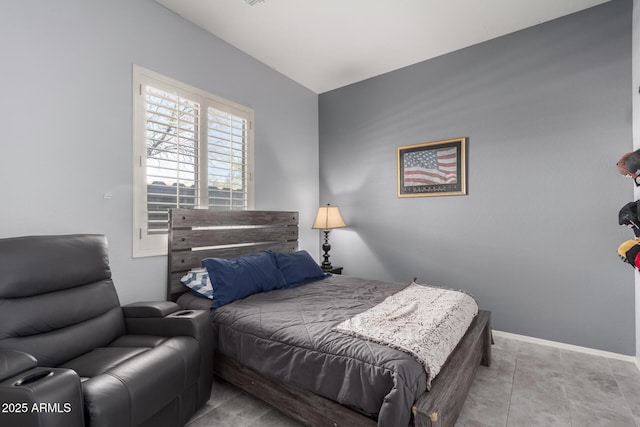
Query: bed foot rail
point(441, 406)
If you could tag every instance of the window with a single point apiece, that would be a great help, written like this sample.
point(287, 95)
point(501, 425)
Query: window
point(191, 150)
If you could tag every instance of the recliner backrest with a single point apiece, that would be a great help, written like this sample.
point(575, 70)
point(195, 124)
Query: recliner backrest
point(57, 299)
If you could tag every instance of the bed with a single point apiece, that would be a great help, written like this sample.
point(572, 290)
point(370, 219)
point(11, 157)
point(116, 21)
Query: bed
point(328, 386)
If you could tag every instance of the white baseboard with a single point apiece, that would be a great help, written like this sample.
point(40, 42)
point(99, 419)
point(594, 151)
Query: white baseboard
point(571, 347)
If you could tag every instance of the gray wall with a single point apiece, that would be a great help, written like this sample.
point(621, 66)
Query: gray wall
point(548, 113)
point(66, 114)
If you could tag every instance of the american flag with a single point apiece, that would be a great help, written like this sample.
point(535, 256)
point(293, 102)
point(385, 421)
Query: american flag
point(430, 167)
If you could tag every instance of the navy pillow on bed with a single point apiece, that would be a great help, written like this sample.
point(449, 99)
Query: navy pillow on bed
point(236, 278)
point(298, 268)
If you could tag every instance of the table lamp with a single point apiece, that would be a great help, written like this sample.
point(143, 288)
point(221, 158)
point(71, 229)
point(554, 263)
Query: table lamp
point(328, 217)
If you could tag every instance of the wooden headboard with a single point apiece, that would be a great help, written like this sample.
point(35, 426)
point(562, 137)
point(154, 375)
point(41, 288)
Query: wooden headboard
point(195, 234)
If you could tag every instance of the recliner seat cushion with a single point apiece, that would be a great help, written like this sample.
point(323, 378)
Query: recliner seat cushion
point(138, 341)
point(101, 360)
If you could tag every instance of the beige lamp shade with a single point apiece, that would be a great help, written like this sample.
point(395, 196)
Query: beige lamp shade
point(328, 217)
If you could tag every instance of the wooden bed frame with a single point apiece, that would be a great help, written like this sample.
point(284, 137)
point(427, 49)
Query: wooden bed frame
point(197, 234)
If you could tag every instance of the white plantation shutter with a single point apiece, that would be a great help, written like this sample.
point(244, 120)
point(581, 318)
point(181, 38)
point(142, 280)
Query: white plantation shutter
point(191, 150)
point(172, 155)
point(227, 160)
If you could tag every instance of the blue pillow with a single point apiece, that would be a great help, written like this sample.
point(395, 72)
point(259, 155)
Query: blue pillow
point(236, 278)
point(298, 268)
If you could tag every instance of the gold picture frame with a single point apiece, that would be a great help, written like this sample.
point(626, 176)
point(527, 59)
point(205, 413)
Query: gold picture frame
point(437, 168)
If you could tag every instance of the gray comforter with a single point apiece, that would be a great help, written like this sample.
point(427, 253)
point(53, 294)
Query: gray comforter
point(286, 334)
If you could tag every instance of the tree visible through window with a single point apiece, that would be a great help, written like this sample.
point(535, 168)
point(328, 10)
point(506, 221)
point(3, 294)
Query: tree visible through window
point(172, 155)
point(193, 151)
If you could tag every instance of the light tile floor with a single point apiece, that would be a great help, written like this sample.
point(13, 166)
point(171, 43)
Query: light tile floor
point(526, 385)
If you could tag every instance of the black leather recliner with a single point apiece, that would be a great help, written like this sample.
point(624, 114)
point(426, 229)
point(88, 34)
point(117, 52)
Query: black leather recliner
point(70, 355)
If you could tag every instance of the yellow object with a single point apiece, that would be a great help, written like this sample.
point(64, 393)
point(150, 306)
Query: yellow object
point(624, 248)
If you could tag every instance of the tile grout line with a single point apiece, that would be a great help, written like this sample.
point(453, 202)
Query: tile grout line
point(513, 380)
point(564, 389)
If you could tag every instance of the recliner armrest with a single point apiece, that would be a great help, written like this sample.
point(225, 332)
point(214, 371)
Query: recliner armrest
point(40, 397)
point(150, 309)
point(192, 323)
point(13, 362)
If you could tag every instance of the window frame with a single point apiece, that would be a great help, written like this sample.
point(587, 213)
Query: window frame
point(145, 244)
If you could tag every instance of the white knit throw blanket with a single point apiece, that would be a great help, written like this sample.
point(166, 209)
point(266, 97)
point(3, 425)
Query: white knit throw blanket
point(426, 322)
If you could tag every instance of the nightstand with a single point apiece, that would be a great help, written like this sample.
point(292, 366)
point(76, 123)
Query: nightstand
point(333, 270)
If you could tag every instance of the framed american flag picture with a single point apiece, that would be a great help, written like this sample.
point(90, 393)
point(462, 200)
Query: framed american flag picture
point(437, 168)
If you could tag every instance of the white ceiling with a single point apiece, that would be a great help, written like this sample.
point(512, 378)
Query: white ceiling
point(327, 44)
